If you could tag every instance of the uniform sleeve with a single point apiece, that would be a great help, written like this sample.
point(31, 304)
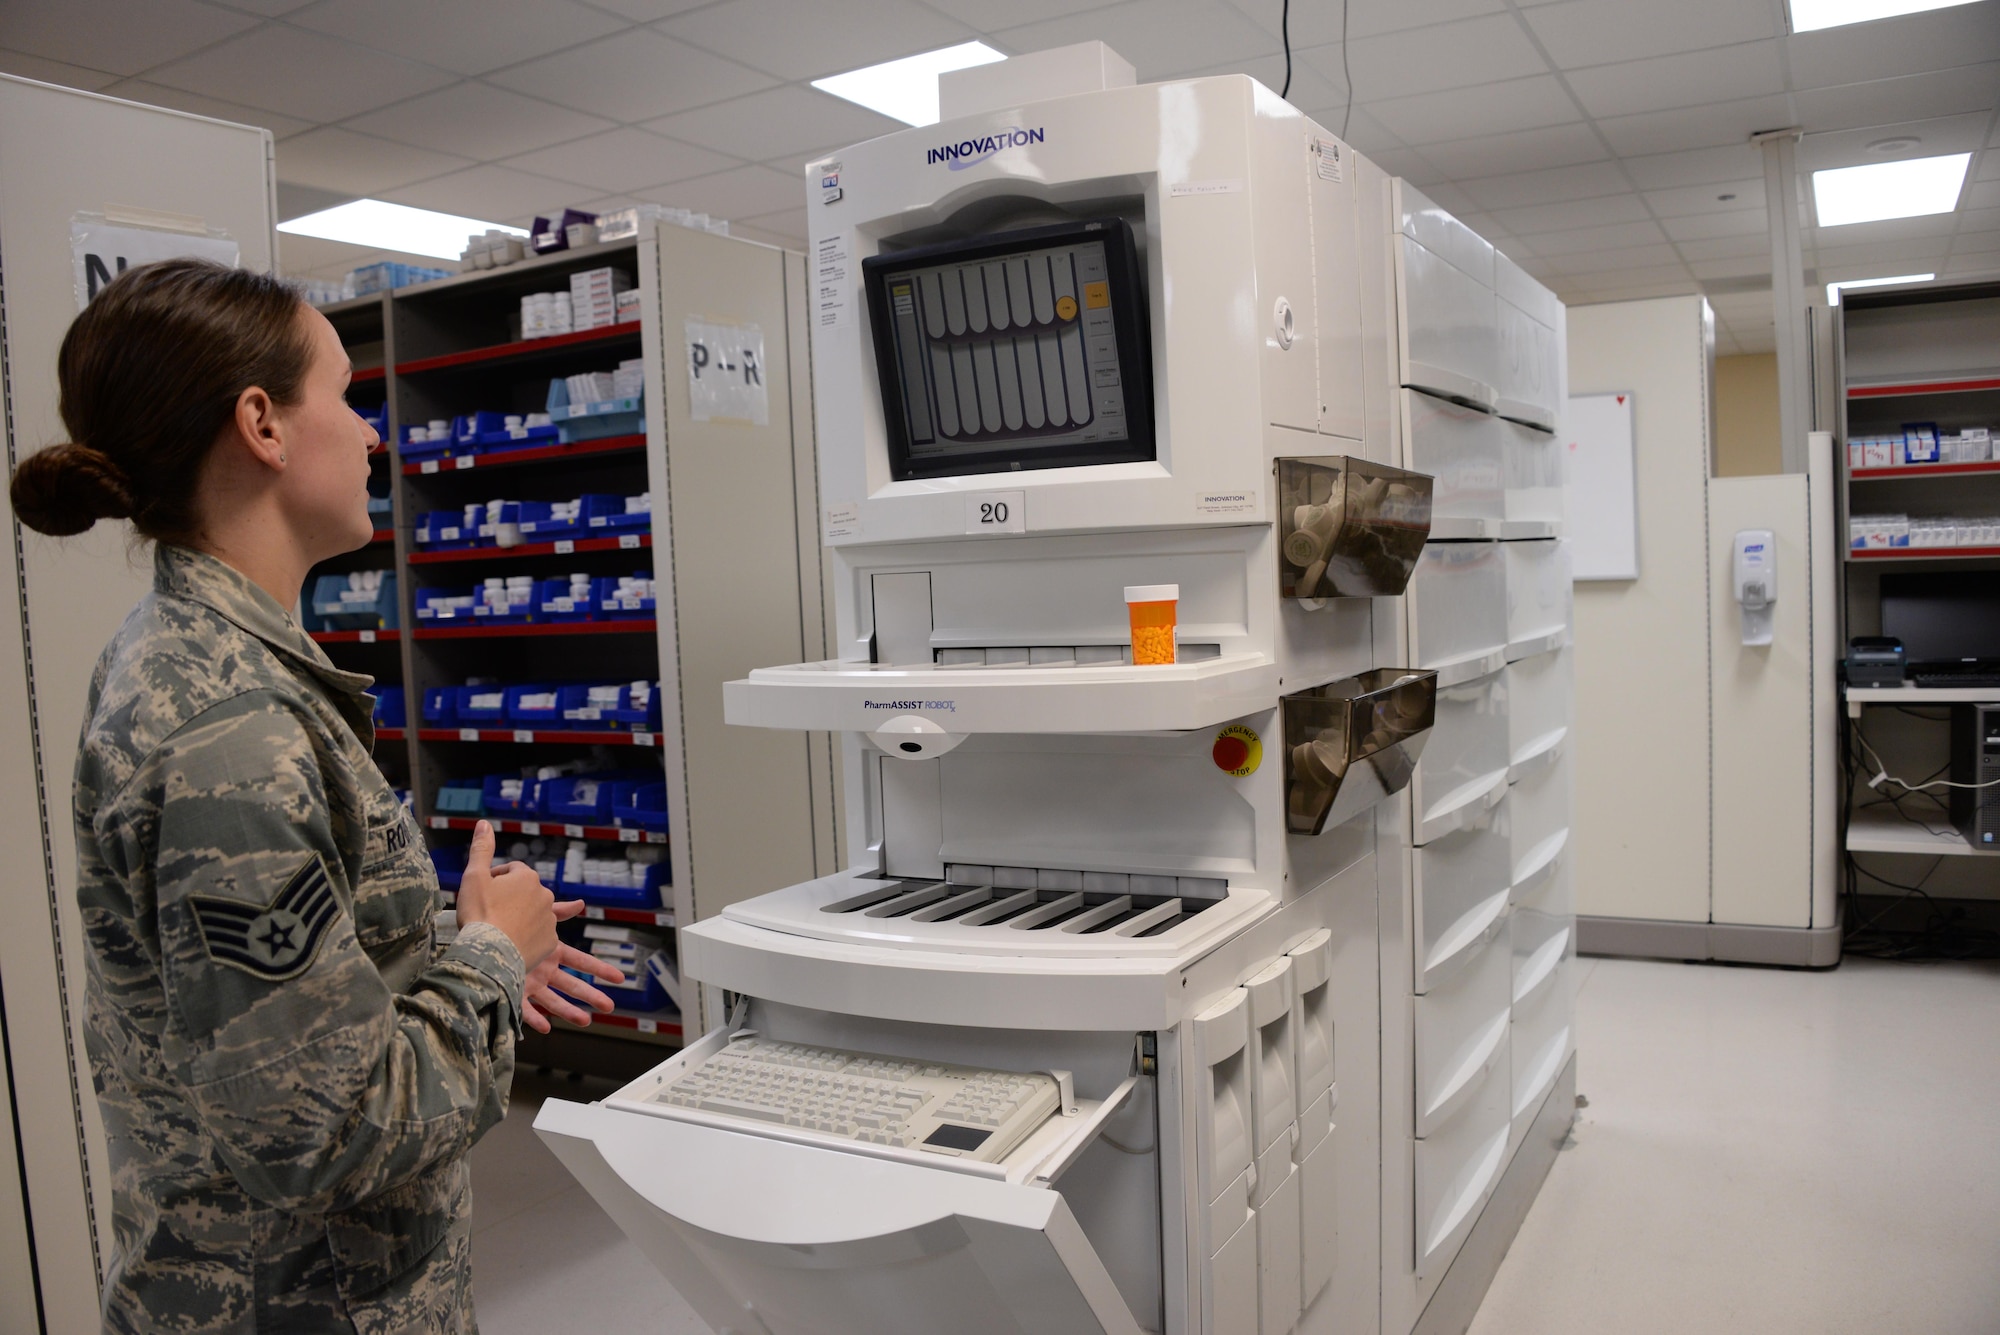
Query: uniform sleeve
point(319, 1085)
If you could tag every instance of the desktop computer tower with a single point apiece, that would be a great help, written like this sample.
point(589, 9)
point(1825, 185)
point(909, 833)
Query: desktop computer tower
point(1975, 759)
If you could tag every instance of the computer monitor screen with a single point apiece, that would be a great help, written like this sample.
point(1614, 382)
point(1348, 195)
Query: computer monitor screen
point(1943, 617)
point(1021, 350)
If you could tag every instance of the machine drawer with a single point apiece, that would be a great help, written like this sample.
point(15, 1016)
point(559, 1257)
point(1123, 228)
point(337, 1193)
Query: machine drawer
point(1457, 1167)
point(1460, 888)
point(1539, 811)
point(1544, 1035)
point(1539, 614)
point(1527, 371)
point(1459, 448)
point(1458, 610)
point(1533, 469)
point(1463, 770)
point(1540, 695)
point(1461, 1035)
point(1542, 943)
point(1450, 346)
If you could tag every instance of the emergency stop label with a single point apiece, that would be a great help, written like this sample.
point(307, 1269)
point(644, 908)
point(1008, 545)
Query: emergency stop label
point(1238, 751)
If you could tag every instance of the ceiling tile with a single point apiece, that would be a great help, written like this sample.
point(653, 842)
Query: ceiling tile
point(114, 35)
point(1741, 267)
point(788, 224)
point(624, 159)
point(1429, 60)
point(983, 16)
point(1597, 32)
point(777, 122)
point(1450, 198)
point(1720, 197)
point(1547, 187)
point(1882, 258)
point(1494, 108)
point(1663, 171)
point(1911, 44)
point(744, 192)
point(751, 231)
point(25, 66)
point(269, 9)
point(803, 39)
point(1309, 87)
point(177, 99)
point(1727, 247)
point(1719, 124)
point(1611, 236)
point(1890, 229)
point(1615, 260)
point(1319, 24)
point(301, 74)
point(1409, 164)
point(1980, 195)
point(1969, 88)
point(496, 194)
point(646, 11)
point(1364, 132)
point(480, 121)
point(632, 77)
point(469, 36)
point(1689, 79)
point(1626, 275)
point(1162, 38)
point(1575, 213)
point(1522, 151)
point(1969, 266)
point(1703, 226)
point(1847, 148)
point(357, 164)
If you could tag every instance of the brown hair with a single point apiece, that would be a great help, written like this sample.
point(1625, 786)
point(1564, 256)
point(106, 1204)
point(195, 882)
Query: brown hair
point(150, 374)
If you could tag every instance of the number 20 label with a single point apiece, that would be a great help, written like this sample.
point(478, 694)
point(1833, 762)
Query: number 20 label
point(996, 512)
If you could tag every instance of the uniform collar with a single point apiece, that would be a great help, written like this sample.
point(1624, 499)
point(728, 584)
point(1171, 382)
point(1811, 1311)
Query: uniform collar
point(181, 572)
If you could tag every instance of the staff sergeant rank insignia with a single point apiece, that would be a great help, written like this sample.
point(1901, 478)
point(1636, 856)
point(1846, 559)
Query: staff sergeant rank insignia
point(275, 943)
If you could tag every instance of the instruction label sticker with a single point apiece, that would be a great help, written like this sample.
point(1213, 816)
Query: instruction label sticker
point(1226, 501)
point(832, 307)
point(843, 520)
point(726, 373)
point(1326, 160)
point(1238, 751)
point(1228, 186)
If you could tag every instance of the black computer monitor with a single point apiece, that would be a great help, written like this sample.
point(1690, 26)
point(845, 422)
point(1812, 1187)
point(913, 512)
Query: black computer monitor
point(1944, 618)
point(1021, 350)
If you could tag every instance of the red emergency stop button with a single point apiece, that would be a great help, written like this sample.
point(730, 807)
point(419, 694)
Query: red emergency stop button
point(1237, 750)
point(1230, 752)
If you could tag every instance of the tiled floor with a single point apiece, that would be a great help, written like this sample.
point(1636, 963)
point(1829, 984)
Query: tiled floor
point(1764, 1152)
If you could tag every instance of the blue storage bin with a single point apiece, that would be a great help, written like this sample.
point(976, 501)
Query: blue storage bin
point(467, 430)
point(646, 895)
point(450, 864)
point(606, 514)
point(554, 602)
point(376, 612)
point(523, 437)
point(460, 797)
point(414, 450)
point(588, 798)
point(472, 715)
point(432, 611)
point(576, 710)
point(538, 523)
point(381, 506)
point(529, 803)
point(638, 708)
point(511, 608)
point(596, 420)
point(441, 706)
point(390, 711)
point(610, 605)
point(444, 531)
point(524, 715)
point(641, 807)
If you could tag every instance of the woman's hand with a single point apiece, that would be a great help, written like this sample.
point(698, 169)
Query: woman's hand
point(543, 998)
point(512, 899)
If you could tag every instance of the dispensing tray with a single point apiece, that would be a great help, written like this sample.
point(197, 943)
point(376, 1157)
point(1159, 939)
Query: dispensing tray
point(1349, 528)
point(1351, 743)
point(841, 696)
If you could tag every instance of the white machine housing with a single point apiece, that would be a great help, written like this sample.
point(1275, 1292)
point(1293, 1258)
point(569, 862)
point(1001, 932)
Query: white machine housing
point(1213, 984)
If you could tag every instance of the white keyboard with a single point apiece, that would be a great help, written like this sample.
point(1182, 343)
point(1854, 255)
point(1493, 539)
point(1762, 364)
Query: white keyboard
point(953, 1110)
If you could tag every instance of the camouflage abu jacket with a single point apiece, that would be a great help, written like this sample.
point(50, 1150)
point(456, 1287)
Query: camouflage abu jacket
point(290, 1068)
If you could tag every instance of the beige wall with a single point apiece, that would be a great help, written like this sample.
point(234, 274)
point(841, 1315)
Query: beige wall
point(1746, 415)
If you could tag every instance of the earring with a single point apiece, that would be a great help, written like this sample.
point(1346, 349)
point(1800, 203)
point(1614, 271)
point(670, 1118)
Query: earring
point(281, 458)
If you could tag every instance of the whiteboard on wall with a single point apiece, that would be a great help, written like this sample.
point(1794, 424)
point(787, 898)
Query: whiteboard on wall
point(1602, 505)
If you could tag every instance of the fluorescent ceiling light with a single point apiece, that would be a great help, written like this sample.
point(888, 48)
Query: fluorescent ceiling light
point(384, 226)
point(907, 89)
point(1833, 289)
point(1812, 15)
point(1911, 188)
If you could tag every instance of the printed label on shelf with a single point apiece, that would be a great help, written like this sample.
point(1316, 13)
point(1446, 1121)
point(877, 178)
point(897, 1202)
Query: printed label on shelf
point(524, 735)
point(726, 373)
point(649, 1026)
point(564, 546)
point(531, 827)
point(653, 837)
point(628, 836)
point(642, 739)
point(592, 911)
point(428, 466)
point(368, 637)
point(463, 461)
point(440, 822)
point(468, 734)
point(663, 919)
point(573, 831)
point(628, 541)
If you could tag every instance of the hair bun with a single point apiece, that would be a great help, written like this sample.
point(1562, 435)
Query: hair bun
point(65, 489)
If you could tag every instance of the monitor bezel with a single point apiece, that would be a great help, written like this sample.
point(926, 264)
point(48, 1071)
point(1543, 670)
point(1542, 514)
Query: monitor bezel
point(1131, 323)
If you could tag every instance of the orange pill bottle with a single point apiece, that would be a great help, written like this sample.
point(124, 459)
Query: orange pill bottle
point(1153, 609)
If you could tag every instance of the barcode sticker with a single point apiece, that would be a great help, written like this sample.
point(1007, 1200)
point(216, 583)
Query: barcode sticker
point(573, 831)
point(428, 466)
point(463, 462)
point(649, 1026)
point(531, 827)
point(642, 739)
point(564, 546)
point(628, 836)
point(628, 541)
point(468, 734)
point(440, 822)
point(368, 637)
point(524, 734)
point(592, 911)
point(655, 837)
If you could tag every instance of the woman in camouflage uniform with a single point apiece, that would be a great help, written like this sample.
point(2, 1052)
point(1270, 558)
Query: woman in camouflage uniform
point(291, 1062)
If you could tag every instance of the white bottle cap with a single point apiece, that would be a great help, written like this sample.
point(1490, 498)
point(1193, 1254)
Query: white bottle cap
point(1152, 593)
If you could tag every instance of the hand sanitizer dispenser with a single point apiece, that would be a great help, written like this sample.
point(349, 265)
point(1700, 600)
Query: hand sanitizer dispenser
point(1756, 581)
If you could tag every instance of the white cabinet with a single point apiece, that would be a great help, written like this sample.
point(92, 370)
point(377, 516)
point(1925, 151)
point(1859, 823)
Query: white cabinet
point(1539, 613)
point(1460, 448)
point(1457, 609)
point(1459, 896)
point(1529, 382)
point(1534, 468)
point(1449, 338)
point(1463, 771)
point(1540, 704)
